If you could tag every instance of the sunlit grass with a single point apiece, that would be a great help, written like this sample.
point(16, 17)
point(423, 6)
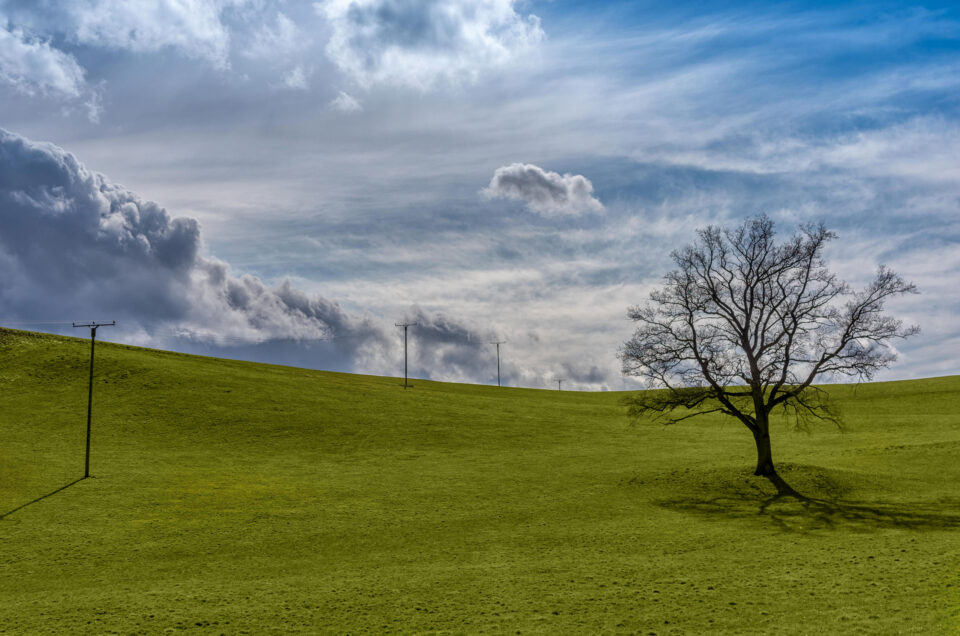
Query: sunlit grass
point(231, 497)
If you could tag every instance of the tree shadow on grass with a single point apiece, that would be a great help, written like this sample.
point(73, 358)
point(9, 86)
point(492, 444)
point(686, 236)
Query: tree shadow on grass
point(806, 514)
point(41, 498)
point(792, 511)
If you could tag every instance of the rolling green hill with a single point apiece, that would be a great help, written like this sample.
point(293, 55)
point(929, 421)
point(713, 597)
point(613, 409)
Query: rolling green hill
point(230, 497)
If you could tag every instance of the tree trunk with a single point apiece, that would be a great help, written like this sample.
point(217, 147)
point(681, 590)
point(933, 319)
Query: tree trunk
point(764, 456)
point(765, 463)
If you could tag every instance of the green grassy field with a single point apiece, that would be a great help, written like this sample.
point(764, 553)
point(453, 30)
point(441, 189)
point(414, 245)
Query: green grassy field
point(231, 497)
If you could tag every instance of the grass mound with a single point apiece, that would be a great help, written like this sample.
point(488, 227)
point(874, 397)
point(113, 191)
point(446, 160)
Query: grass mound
point(231, 497)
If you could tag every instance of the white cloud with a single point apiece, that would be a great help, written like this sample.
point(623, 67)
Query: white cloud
point(923, 149)
point(198, 29)
point(296, 78)
point(418, 43)
point(281, 45)
point(544, 192)
point(279, 41)
point(345, 103)
point(193, 27)
point(31, 65)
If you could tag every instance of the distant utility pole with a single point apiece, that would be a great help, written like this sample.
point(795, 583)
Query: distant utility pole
point(405, 325)
point(498, 343)
point(559, 383)
point(93, 343)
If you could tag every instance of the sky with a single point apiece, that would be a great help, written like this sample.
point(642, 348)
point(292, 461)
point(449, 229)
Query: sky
point(284, 181)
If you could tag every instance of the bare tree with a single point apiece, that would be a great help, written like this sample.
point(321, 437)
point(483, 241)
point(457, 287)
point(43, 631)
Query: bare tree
point(745, 325)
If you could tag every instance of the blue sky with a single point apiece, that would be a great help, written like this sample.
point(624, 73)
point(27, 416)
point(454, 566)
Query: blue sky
point(285, 180)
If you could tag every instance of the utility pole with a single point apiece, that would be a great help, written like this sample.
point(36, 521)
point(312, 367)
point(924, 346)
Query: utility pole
point(560, 382)
point(498, 343)
point(405, 325)
point(93, 343)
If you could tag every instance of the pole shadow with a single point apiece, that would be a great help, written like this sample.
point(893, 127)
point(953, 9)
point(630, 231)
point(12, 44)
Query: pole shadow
point(41, 498)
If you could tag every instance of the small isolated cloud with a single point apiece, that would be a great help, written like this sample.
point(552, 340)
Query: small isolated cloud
point(546, 193)
point(32, 66)
point(417, 43)
point(345, 103)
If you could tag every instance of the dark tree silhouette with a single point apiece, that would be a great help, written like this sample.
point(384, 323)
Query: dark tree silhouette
point(745, 325)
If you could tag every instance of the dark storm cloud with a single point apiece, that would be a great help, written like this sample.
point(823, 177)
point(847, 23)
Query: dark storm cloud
point(450, 348)
point(585, 374)
point(544, 192)
point(73, 244)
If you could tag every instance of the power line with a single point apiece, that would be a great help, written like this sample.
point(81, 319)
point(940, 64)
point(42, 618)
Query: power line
point(405, 325)
point(498, 343)
point(37, 322)
point(93, 343)
point(221, 340)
